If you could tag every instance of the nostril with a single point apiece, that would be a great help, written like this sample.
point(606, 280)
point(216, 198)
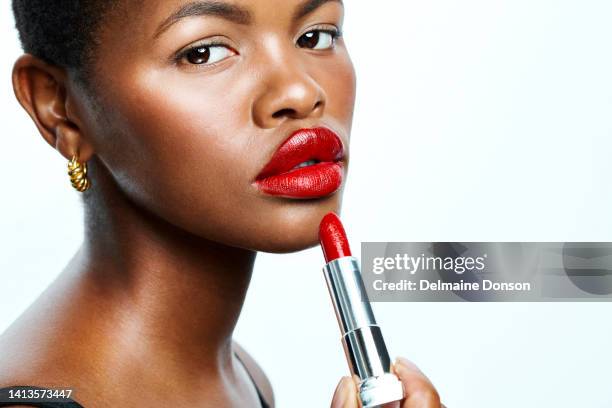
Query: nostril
point(284, 112)
point(297, 113)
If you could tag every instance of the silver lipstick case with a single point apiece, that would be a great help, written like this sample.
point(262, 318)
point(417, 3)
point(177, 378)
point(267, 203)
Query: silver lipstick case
point(362, 339)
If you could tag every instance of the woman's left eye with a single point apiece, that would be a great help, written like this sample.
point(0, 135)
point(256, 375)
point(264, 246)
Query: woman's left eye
point(318, 39)
point(206, 54)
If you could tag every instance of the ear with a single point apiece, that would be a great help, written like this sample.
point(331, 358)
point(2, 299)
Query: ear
point(41, 89)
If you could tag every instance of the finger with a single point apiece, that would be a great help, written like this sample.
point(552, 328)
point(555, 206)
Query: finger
point(354, 399)
point(344, 394)
point(418, 389)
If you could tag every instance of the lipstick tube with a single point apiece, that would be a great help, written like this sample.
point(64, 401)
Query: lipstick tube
point(362, 338)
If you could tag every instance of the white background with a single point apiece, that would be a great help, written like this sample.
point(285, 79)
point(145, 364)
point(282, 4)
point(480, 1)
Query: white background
point(476, 120)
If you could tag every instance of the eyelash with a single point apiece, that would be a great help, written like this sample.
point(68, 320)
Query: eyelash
point(178, 58)
point(335, 32)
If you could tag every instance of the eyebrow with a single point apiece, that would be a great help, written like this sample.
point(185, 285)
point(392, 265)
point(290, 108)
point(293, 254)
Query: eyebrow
point(309, 6)
point(226, 11)
point(229, 12)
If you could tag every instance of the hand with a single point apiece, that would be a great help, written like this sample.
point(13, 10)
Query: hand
point(419, 391)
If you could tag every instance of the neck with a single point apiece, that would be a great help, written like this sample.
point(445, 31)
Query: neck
point(178, 295)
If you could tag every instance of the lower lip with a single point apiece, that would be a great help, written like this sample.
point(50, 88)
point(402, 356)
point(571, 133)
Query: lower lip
point(315, 181)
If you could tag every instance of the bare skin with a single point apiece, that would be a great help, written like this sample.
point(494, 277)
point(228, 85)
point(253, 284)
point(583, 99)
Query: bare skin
point(144, 313)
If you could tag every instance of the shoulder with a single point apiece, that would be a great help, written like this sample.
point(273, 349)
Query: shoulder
point(28, 361)
point(259, 376)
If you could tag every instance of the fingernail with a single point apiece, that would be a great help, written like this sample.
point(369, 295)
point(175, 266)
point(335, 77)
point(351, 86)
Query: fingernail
point(399, 363)
point(341, 393)
point(402, 364)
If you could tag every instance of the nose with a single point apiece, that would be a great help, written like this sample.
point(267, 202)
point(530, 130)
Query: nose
point(288, 92)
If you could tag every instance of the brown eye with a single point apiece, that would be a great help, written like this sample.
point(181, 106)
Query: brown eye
point(199, 55)
point(309, 40)
point(317, 40)
point(206, 54)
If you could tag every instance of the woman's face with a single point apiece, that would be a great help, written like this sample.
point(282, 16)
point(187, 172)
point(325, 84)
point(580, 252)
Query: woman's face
point(196, 98)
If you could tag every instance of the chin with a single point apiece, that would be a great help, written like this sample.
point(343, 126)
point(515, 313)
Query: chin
point(289, 246)
point(294, 225)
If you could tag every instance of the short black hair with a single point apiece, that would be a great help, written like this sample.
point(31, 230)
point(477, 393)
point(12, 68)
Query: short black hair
point(61, 32)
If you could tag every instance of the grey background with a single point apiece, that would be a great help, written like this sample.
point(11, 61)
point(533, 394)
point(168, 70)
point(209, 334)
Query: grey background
point(557, 271)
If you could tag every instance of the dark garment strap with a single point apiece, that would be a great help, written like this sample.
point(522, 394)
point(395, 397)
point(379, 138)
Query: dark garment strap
point(264, 404)
point(7, 401)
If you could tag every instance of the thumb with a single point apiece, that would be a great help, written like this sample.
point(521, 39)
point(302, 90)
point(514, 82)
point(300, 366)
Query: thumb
point(344, 396)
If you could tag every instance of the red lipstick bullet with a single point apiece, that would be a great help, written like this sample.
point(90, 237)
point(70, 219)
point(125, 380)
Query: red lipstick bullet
point(333, 238)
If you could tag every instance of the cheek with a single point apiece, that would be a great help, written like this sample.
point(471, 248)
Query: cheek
point(183, 139)
point(338, 81)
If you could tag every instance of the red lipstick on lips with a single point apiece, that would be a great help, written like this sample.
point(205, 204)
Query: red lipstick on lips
point(333, 238)
point(307, 165)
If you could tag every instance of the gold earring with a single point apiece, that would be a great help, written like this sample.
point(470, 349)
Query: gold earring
point(78, 174)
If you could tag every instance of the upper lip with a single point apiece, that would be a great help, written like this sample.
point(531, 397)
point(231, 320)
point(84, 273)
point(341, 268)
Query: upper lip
point(320, 144)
